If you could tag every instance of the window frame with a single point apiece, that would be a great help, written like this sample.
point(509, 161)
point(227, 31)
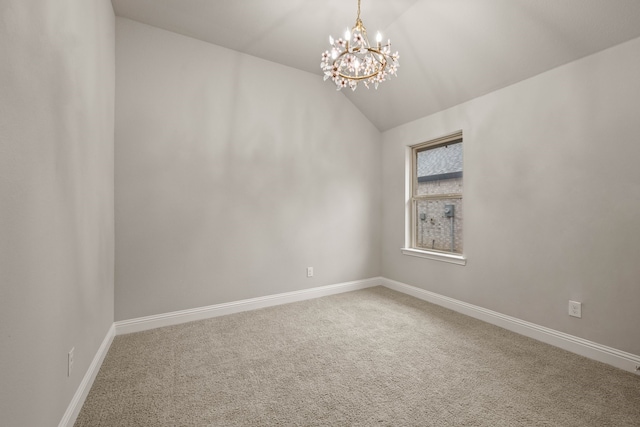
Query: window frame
point(411, 235)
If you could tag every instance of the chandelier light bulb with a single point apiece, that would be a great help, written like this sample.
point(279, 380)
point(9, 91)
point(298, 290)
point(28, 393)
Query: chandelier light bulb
point(354, 60)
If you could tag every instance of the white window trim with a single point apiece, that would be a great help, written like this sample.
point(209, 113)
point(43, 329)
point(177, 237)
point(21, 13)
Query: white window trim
point(458, 259)
point(437, 256)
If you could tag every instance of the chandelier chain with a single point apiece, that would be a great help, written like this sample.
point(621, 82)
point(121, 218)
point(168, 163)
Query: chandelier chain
point(358, 11)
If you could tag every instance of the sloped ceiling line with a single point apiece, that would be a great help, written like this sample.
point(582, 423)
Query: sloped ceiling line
point(451, 51)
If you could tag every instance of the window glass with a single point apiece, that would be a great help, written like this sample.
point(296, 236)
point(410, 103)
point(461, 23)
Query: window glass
point(439, 170)
point(439, 225)
point(436, 213)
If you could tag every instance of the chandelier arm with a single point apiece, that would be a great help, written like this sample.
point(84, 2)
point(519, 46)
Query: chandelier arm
point(382, 56)
point(382, 65)
point(346, 77)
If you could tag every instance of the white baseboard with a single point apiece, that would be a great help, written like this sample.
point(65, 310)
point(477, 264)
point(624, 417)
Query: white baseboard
point(200, 313)
point(601, 353)
point(70, 415)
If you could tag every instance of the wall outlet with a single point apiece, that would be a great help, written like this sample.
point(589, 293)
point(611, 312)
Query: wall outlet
point(575, 309)
point(70, 361)
point(309, 271)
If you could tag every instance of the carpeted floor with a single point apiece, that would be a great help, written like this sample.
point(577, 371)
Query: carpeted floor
point(367, 358)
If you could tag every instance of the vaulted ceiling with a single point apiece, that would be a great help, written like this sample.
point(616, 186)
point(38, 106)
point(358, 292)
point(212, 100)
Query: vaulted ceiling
point(450, 50)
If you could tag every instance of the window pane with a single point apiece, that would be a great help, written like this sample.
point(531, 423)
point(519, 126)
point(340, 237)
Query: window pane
point(439, 170)
point(436, 227)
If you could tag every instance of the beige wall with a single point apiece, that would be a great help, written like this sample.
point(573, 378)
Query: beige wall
point(551, 199)
point(234, 174)
point(56, 200)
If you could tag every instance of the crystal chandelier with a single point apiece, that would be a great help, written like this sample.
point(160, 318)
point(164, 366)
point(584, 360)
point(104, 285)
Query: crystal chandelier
point(353, 60)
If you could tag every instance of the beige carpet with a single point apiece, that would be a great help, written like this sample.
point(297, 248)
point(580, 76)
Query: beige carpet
point(367, 358)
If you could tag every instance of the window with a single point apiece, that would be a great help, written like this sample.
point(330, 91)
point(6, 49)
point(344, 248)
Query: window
point(435, 217)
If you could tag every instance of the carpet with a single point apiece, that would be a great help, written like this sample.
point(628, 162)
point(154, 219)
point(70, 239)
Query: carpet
point(373, 357)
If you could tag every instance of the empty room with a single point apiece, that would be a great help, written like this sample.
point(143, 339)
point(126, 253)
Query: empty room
point(319, 213)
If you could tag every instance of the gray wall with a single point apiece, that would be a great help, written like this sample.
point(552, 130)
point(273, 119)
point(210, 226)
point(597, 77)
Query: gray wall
point(551, 199)
point(56, 197)
point(233, 174)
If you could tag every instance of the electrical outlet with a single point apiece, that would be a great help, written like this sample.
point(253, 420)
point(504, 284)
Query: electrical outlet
point(309, 271)
point(70, 361)
point(575, 309)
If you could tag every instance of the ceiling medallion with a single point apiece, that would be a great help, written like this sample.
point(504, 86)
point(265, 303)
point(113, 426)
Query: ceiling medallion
point(352, 60)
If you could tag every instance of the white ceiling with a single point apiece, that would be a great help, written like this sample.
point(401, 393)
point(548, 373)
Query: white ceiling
point(450, 50)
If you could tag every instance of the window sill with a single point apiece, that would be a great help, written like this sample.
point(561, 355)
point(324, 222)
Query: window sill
point(437, 256)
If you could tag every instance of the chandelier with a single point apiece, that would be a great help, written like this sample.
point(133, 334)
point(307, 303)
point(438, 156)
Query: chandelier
point(352, 60)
